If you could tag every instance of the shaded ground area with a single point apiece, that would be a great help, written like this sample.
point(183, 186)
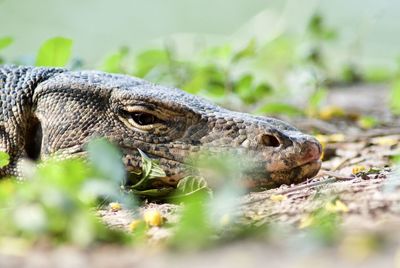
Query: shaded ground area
point(357, 171)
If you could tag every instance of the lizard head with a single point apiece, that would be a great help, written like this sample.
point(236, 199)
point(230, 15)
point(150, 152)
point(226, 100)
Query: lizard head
point(167, 124)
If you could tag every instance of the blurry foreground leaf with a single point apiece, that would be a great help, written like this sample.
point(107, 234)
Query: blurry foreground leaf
point(55, 52)
point(193, 230)
point(107, 160)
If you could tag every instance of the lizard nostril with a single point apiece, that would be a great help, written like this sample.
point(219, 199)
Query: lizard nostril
point(270, 140)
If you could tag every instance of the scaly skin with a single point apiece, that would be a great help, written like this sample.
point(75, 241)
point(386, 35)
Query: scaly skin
point(47, 111)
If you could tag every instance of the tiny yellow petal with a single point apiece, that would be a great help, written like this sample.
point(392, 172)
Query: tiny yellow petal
point(323, 139)
point(153, 217)
point(337, 206)
point(329, 112)
point(358, 169)
point(358, 247)
point(115, 206)
point(225, 220)
point(341, 206)
point(306, 221)
point(338, 137)
point(134, 224)
point(278, 197)
point(385, 141)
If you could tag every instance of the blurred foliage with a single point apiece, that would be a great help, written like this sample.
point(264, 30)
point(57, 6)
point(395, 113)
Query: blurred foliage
point(55, 202)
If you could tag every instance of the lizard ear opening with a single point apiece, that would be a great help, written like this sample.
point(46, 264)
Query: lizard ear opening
point(33, 140)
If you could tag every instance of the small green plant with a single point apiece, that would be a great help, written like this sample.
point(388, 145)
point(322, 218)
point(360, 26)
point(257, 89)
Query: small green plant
point(57, 199)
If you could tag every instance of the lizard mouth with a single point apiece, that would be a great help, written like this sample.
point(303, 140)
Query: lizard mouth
point(260, 181)
point(267, 175)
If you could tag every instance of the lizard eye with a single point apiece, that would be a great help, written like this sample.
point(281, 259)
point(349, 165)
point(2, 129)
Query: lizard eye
point(139, 119)
point(143, 118)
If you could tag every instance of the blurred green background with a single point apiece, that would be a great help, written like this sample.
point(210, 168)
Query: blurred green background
point(265, 57)
point(369, 31)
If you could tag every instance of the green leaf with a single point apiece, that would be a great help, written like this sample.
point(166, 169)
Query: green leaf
point(150, 168)
point(159, 192)
point(5, 42)
point(4, 159)
point(194, 229)
point(191, 185)
point(55, 52)
point(280, 108)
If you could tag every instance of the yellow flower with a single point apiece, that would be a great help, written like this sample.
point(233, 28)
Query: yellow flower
point(358, 169)
point(337, 206)
point(306, 221)
point(134, 224)
point(385, 141)
point(329, 112)
point(278, 197)
point(225, 220)
point(153, 217)
point(115, 206)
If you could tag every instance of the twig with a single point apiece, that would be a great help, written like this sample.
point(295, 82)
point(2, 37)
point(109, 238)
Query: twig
point(335, 177)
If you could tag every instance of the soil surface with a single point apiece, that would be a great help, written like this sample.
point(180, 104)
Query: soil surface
point(371, 213)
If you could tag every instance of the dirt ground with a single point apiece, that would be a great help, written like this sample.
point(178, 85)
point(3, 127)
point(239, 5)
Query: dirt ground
point(372, 207)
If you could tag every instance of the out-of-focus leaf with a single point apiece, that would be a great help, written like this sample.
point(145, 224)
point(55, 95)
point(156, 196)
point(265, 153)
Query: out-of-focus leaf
point(4, 159)
point(367, 122)
point(280, 108)
point(219, 53)
point(107, 160)
point(5, 42)
point(114, 62)
point(377, 75)
point(316, 100)
point(350, 74)
point(55, 52)
point(149, 59)
point(319, 30)
point(194, 229)
point(248, 51)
